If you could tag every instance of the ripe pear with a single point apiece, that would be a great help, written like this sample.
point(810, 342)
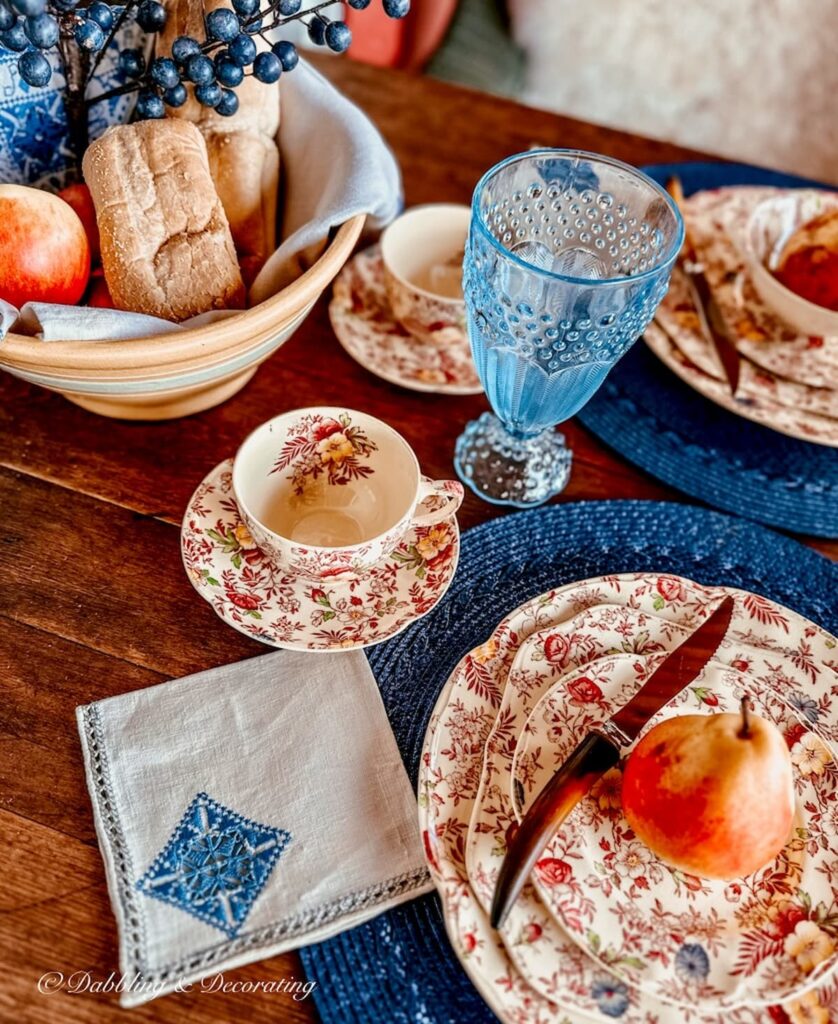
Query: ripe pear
point(711, 795)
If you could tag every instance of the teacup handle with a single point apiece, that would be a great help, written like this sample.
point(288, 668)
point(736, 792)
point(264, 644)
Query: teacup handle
point(450, 491)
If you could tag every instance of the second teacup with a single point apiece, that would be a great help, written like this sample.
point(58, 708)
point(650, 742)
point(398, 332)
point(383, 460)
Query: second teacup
point(329, 491)
point(422, 253)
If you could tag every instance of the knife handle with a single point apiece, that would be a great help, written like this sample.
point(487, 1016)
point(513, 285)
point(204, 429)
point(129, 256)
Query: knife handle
point(594, 756)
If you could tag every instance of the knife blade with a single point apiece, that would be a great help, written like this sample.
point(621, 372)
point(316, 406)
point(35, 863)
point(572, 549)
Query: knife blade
point(710, 317)
point(600, 751)
point(713, 326)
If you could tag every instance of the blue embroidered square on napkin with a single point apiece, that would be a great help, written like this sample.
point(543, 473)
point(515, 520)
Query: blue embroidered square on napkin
point(215, 864)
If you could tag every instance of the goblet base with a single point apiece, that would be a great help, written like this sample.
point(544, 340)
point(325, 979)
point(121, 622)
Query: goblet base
point(507, 470)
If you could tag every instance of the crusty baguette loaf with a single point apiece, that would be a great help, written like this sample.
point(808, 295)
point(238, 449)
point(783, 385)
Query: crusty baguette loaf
point(166, 243)
point(242, 149)
point(245, 169)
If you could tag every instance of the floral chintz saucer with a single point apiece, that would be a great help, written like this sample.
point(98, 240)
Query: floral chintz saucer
point(252, 595)
point(366, 327)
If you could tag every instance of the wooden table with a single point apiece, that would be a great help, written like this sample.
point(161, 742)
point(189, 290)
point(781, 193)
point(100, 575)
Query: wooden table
point(93, 598)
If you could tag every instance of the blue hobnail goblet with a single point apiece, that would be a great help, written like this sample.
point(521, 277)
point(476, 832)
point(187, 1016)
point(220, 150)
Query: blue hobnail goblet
point(568, 255)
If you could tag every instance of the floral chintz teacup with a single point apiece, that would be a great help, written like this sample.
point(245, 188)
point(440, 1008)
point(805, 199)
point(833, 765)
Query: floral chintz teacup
point(331, 492)
point(423, 253)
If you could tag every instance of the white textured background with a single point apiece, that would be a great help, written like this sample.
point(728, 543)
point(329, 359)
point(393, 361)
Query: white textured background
point(755, 80)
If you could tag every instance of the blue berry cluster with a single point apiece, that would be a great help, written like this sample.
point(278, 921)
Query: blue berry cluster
point(27, 28)
point(214, 66)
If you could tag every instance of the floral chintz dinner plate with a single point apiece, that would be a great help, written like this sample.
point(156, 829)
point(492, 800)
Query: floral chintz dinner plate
point(718, 221)
point(683, 938)
point(252, 595)
point(578, 989)
point(448, 783)
point(785, 419)
point(468, 711)
point(787, 381)
point(644, 628)
point(493, 816)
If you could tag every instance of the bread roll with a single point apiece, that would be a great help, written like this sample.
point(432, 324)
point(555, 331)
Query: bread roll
point(242, 149)
point(245, 168)
point(166, 243)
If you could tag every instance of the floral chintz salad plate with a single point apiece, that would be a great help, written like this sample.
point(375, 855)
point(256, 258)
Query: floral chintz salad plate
point(684, 938)
point(448, 784)
point(643, 628)
point(467, 713)
point(718, 222)
point(243, 586)
point(493, 817)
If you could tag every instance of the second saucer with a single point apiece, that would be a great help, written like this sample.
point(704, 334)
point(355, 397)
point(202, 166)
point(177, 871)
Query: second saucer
point(367, 328)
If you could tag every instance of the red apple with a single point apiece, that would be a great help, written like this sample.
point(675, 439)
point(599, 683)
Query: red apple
point(99, 294)
point(712, 795)
point(44, 252)
point(78, 196)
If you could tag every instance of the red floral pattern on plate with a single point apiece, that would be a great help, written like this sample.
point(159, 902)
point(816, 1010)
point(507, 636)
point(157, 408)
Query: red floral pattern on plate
point(787, 382)
point(583, 638)
point(245, 589)
point(614, 891)
point(364, 324)
point(450, 774)
point(799, 423)
point(600, 631)
point(718, 221)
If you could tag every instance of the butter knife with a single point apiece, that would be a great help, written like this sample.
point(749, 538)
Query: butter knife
point(713, 325)
point(600, 751)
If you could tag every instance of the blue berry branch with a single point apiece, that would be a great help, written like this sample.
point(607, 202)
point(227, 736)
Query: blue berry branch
point(214, 66)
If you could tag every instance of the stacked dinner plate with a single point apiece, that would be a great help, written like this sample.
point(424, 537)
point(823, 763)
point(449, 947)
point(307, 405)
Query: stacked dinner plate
point(604, 931)
point(788, 347)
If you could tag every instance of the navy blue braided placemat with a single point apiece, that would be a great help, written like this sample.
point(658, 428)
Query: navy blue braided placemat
point(399, 968)
point(659, 423)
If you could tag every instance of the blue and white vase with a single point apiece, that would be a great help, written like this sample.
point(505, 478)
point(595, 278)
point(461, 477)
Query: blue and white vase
point(34, 137)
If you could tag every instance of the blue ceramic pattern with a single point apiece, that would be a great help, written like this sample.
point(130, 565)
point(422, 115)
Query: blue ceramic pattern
point(215, 864)
point(612, 997)
point(34, 143)
point(692, 962)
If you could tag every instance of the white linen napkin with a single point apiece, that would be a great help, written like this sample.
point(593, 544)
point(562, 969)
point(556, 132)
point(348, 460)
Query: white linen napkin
point(334, 166)
point(52, 322)
point(245, 811)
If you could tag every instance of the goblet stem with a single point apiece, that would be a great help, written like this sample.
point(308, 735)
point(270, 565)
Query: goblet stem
point(511, 469)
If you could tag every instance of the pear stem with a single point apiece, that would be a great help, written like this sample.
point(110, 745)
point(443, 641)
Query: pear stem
point(745, 732)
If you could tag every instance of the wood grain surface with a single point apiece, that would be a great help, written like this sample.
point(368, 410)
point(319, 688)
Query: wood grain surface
point(93, 598)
